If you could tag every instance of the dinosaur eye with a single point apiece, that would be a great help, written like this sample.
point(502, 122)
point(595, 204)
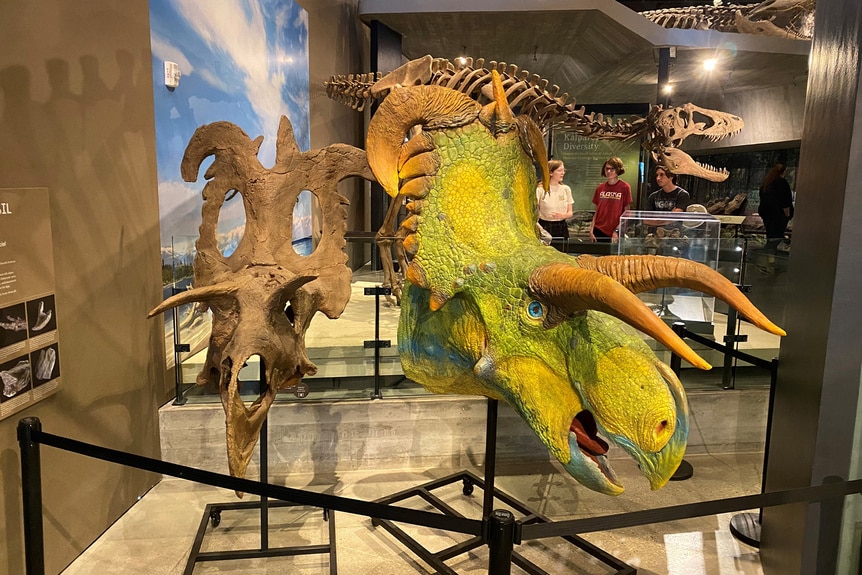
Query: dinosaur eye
point(535, 310)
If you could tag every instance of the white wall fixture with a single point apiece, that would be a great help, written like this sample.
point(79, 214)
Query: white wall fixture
point(172, 74)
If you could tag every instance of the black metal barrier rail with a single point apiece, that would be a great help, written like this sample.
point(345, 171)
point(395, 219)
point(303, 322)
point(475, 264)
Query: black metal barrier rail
point(832, 488)
point(498, 530)
point(312, 499)
point(723, 348)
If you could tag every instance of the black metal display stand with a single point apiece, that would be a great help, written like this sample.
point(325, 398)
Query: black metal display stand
point(469, 480)
point(213, 511)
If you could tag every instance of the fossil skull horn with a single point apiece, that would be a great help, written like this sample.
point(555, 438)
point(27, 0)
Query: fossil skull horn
point(201, 294)
point(571, 289)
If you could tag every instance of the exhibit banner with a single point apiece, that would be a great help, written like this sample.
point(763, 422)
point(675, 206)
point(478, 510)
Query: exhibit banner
point(243, 62)
point(584, 158)
point(29, 347)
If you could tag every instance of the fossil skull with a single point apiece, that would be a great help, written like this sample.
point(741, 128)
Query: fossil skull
point(264, 295)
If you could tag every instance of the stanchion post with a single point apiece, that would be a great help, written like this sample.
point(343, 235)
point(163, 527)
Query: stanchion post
point(501, 540)
point(728, 379)
point(31, 480)
point(678, 328)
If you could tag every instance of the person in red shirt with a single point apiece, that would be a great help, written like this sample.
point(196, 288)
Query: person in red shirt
point(611, 198)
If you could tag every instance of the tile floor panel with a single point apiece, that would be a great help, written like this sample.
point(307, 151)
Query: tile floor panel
point(155, 536)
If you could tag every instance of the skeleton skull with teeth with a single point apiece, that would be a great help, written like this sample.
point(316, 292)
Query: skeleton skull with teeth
point(674, 125)
point(264, 295)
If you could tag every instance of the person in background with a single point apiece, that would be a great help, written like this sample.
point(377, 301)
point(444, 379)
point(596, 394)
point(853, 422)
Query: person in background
point(776, 209)
point(611, 198)
point(776, 204)
point(669, 197)
point(555, 204)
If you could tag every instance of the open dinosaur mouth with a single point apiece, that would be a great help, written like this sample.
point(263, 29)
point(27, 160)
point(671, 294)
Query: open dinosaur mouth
point(591, 445)
point(586, 431)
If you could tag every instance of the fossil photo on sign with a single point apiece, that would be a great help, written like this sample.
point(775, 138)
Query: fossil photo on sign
point(13, 325)
point(15, 377)
point(46, 365)
point(41, 315)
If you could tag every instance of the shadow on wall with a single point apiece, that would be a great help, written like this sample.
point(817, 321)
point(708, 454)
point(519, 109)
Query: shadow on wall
point(90, 143)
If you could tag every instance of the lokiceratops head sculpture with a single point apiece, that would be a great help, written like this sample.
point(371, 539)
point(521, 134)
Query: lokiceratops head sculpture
point(491, 311)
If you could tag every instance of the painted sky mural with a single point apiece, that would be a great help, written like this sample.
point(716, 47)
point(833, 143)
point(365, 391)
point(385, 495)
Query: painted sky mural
point(242, 61)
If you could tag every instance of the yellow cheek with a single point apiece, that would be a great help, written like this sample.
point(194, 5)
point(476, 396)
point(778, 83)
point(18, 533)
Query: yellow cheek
point(632, 399)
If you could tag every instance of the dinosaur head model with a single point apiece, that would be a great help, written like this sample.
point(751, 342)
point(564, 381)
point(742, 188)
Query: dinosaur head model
point(491, 311)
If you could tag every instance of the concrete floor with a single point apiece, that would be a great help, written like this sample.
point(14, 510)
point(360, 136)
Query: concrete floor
point(155, 536)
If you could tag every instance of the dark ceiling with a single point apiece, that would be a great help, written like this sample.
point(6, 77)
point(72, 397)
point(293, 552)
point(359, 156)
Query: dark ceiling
point(599, 51)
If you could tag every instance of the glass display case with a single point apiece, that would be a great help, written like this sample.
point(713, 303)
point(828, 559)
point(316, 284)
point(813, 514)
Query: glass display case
point(691, 235)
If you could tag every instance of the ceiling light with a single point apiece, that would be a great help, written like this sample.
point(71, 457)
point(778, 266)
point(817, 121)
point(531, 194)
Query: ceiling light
point(666, 89)
point(709, 64)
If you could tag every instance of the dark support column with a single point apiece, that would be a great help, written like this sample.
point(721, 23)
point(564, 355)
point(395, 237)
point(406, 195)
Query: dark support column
point(31, 481)
point(817, 391)
point(385, 57)
point(662, 98)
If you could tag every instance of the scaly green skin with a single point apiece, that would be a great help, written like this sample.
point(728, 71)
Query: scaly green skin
point(477, 247)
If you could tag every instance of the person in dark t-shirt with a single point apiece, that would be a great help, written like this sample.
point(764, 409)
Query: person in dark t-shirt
point(669, 197)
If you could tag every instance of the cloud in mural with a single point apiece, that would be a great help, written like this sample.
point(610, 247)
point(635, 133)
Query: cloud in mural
point(242, 61)
point(239, 31)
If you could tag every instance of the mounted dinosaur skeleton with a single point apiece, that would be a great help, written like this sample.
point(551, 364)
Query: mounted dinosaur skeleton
point(491, 311)
point(661, 131)
point(264, 295)
point(781, 18)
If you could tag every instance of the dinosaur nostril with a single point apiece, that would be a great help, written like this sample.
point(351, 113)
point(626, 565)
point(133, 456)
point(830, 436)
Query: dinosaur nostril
point(661, 427)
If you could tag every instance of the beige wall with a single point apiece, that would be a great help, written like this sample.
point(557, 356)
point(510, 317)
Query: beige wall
point(338, 44)
point(87, 135)
point(772, 116)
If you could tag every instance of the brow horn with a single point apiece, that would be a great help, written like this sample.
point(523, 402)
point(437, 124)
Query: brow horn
point(572, 289)
point(645, 273)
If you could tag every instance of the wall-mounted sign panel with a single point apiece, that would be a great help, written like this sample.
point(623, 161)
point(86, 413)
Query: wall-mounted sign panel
point(29, 349)
point(584, 158)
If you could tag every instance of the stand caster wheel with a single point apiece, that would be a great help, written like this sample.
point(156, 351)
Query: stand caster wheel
point(326, 514)
point(215, 518)
point(467, 489)
point(375, 523)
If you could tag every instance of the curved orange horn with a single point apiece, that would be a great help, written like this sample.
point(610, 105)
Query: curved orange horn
point(430, 106)
point(645, 273)
point(572, 289)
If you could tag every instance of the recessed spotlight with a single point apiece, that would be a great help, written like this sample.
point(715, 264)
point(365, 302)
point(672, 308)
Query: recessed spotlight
point(709, 64)
point(667, 89)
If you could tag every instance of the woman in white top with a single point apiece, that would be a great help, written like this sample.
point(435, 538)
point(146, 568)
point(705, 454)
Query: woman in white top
point(555, 205)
